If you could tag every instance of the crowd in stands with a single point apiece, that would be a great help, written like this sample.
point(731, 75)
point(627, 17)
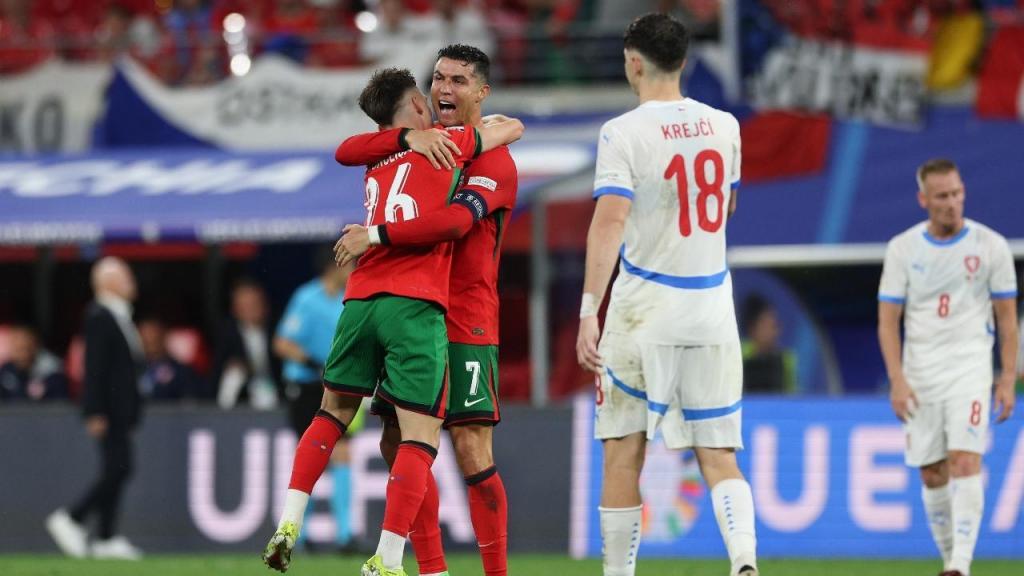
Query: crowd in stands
point(193, 42)
point(186, 42)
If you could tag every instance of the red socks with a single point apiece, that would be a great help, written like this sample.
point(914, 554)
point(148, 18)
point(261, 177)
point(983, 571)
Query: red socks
point(426, 533)
point(314, 451)
point(407, 486)
point(488, 508)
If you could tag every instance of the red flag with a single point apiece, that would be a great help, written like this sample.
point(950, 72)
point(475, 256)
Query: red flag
point(1001, 82)
point(783, 145)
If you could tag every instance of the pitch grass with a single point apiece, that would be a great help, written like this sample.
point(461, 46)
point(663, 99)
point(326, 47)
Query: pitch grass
point(469, 565)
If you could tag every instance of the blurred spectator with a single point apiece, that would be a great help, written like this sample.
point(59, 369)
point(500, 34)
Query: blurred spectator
point(123, 31)
point(165, 377)
point(26, 39)
point(613, 17)
point(338, 43)
point(700, 17)
point(31, 373)
point(767, 367)
point(401, 36)
point(464, 23)
point(550, 20)
point(289, 28)
point(112, 408)
point(196, 49)
point(244, 368)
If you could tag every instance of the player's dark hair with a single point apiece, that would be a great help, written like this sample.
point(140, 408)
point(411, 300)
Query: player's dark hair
point(660, 38)
point(934, 166)
point(470, 55)
point(753, 308)
point(246, 283)
point(382, 96)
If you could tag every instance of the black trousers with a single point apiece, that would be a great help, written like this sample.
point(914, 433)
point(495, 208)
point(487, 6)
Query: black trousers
point(104, 497)
point(304, 400)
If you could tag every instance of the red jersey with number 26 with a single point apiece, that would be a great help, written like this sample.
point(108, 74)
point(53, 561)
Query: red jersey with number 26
point(402, 187)
point(489, 186)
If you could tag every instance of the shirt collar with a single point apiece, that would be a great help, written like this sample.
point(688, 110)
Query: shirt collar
point(117, 305)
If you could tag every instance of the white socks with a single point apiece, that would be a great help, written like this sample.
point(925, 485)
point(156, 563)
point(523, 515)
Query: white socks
point(391, 548)
point(938, 508)
point(734, 510)
point(620, 534)
point(968, 497)
point(295, 502)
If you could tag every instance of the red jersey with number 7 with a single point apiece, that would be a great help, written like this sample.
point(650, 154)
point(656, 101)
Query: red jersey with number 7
point(489, 190)
point(400, 188)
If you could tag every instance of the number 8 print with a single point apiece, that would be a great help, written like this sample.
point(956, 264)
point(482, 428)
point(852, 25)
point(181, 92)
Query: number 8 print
point(975, 413)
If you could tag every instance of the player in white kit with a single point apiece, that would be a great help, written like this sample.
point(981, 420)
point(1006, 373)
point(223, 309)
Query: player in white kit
point(669, 356)
point(947, 275)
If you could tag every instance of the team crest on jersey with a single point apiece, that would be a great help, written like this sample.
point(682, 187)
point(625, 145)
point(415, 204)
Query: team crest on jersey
point(972, 263)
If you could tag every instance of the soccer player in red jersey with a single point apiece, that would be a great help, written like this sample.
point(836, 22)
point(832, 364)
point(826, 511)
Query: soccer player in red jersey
point(393, 322)
point(477, 215)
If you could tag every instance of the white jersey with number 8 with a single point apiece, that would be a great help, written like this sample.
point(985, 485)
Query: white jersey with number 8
point(679, 163)
point(946, 288)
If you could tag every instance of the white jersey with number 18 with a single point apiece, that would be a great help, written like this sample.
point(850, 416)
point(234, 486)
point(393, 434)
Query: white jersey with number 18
point(946, 288)
point(678, 162)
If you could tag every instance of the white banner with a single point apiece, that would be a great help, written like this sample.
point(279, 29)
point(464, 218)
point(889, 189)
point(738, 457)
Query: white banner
point(51, 108)
point(846, 81)
point(277, 105)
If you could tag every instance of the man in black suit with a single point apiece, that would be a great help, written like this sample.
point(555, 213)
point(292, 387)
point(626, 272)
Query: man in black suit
point(111, 404)
point(245, 371)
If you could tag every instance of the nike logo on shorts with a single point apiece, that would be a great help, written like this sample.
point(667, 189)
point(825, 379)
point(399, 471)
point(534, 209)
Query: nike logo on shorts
point(467, 403)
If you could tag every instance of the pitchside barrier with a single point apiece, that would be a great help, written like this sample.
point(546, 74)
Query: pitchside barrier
point(828, 480)
point(208, 480)
point(827, 475)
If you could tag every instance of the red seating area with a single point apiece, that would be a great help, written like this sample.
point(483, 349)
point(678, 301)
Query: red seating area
point(183, 41)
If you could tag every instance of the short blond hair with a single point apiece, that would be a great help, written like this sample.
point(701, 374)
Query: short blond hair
point(934, 166)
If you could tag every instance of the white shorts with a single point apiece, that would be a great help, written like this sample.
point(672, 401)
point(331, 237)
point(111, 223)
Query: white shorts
point(692, 393)
point(959, 423)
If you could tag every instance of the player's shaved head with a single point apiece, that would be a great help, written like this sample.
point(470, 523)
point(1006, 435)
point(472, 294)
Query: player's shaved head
point(112, 276)
point(385, 94)
point(660, 39)
point(934, 166)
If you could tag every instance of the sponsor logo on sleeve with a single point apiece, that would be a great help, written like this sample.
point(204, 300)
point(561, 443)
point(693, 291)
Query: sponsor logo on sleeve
point(483, 182)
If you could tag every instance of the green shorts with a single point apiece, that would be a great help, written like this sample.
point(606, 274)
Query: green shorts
point(473, 389)
point(402, 338)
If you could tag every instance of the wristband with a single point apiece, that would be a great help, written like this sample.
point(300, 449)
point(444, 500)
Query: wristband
point(588, 305)
point(374, 233)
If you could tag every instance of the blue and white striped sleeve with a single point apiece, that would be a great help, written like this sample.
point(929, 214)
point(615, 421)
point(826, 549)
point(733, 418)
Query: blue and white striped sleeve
point(893, 286)
point(613, 174)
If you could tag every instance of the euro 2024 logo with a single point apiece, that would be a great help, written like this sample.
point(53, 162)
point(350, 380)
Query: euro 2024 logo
point(673, 491)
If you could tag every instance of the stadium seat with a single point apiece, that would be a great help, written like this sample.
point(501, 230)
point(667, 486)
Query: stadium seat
point(186, 345)
point(74, 366)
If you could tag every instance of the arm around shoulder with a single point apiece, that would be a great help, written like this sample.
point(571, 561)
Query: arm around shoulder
point(500, 133)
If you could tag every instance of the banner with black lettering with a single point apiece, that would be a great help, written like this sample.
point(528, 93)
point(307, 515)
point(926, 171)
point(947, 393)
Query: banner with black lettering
point(51, 108)
point(843, 80)
point(278, 105)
